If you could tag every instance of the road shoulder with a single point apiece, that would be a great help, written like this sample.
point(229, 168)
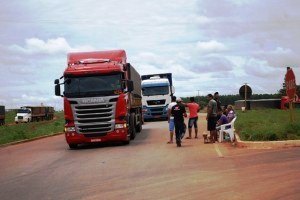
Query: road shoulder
point(266, 144)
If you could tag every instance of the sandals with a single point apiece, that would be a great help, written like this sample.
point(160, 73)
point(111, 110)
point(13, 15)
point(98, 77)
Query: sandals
point(170, 142)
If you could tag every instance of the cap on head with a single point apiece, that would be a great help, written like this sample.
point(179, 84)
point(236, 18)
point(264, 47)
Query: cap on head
point(210, 95)
point(178, 99)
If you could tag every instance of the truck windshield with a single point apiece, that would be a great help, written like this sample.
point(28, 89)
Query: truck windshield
point(23, 111)
point(92, 85)
point(158, 90)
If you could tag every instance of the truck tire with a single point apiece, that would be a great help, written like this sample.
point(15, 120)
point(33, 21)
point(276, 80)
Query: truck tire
point(132, 126)
point(73, 146)
point(139, 127)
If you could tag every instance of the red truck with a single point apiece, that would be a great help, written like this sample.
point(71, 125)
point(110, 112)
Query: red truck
point(102, 98)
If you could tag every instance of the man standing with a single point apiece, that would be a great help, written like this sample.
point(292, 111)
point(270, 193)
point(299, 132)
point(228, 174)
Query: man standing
point(212, 117)
point(171, 119)
point(219, 108)
point(193, 118)
point(178, 111)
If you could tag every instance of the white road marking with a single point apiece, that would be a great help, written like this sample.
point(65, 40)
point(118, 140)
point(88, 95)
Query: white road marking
point(218, 151)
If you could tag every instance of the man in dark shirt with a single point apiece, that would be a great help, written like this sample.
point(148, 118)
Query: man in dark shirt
point(219, 107)
point(178, 111)
point(212, 117)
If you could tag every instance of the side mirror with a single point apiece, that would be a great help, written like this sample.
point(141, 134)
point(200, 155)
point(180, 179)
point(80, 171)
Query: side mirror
point(172, 89)
point(57, 90)
point(56, 81)
point(130, 86)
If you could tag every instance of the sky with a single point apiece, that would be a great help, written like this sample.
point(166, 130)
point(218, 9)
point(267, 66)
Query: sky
point(208, 45)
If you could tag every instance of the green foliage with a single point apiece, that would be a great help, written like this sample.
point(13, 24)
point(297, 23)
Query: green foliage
point(10, 117)
point(230, 99)
point(267, 125)
point(17, 132)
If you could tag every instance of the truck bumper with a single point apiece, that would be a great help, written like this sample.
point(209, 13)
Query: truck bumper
point(163, 116)
point(116, 135)
point(155, 112)
point(20, 121)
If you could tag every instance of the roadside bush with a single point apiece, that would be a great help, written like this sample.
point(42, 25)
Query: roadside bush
point(17, 132)
point(267, 125)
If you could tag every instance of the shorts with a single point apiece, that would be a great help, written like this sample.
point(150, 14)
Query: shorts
point(211, 123)
point(171, 125)
point(193, 121)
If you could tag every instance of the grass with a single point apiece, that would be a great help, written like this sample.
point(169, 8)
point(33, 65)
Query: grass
point(268, 125)
point(24, 131)
point(10, 117)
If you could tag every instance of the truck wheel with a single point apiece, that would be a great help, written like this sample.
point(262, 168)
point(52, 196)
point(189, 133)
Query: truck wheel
point(132, 126)
point(73, 146)
point(139, 127)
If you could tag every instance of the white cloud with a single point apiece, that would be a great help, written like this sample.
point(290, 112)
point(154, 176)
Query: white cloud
point(51, 46)
point(211, 46)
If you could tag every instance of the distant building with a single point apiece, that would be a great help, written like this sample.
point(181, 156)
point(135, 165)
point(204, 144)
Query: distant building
point(258, 104)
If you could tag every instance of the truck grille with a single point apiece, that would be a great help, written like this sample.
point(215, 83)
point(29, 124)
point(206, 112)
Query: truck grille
point(95, 119)
point(156, 102)
point(157, 111)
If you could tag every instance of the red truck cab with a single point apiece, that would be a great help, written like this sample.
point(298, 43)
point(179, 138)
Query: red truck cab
point(102, 98)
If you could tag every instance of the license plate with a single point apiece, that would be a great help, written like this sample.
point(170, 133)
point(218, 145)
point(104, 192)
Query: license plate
point(96, 140)
point(157, 116)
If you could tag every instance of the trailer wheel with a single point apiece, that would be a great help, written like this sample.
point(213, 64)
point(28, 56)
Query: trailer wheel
point(132, 126)
point(73, 146)
point(139, 127)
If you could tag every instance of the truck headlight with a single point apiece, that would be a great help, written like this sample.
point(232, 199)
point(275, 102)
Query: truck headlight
point(119, 126)
point(70, 129)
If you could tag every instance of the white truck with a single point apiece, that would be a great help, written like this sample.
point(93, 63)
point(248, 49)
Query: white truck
point(34, 113)
point(157, 90)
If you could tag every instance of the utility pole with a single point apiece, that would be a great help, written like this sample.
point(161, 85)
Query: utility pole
point(198, 97)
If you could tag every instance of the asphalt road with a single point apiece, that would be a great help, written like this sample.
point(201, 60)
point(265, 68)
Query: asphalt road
point(148, 168)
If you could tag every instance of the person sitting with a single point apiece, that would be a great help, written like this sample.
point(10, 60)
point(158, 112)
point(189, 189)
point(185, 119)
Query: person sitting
point(223, 120)
point(230, 113)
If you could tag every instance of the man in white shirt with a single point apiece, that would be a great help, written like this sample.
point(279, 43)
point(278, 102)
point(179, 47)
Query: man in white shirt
point(171, 119)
